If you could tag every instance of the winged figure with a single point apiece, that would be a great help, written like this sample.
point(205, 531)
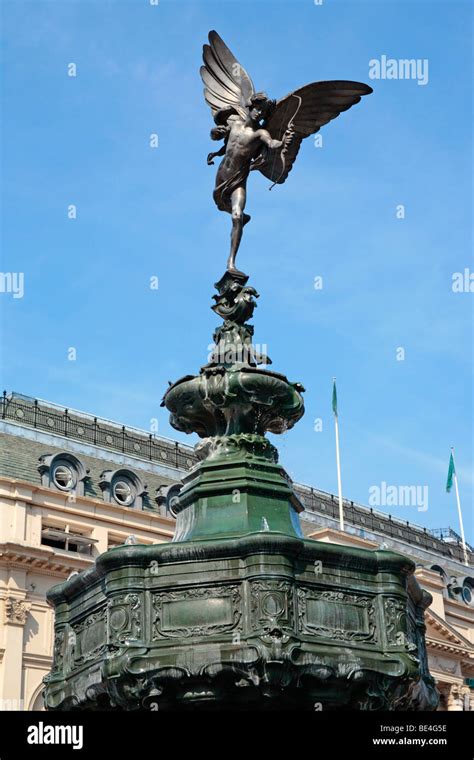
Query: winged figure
point(260, 133)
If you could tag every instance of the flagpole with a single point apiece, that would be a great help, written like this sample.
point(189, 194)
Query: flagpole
point(338, 463)
point(459, 510)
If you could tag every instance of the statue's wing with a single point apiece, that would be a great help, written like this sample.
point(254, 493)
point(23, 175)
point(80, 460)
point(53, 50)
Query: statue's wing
point(226, 83)
point(306, 110)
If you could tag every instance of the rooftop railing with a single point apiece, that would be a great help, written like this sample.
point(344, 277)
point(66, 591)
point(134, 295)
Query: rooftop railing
point(107, 434)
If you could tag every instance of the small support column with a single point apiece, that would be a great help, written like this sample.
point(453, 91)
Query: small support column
point(467, 698)
point(455, 701)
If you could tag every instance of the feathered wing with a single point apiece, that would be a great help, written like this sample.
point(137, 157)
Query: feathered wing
point(312, 106)
point(226, 83)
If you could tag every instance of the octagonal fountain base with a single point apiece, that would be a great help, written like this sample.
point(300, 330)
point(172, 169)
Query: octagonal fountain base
point(262, 621)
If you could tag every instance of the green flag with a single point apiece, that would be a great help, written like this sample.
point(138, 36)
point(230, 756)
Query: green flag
point(334, 398)
point(451, 472)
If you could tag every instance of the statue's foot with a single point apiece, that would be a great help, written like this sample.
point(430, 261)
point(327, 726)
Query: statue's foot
point(246, 219)
point(230, 276)
point(232, 269)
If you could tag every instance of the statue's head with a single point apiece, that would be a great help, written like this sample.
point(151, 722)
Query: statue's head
point(260, 106)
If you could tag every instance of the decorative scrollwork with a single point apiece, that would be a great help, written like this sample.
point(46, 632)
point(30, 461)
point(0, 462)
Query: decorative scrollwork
point(16, 610)
point(271, 605)
point(124, 618)
point(236, 300)
point(395, 614)
point(87, 638)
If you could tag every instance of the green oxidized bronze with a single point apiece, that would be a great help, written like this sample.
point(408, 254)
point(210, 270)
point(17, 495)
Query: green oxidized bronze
point(231, 394)
point(266, 620)
point(226, 400)
point(240, 610)
point(239, 485)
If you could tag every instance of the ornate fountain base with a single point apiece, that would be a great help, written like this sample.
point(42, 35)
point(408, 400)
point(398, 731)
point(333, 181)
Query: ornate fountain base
point(239, 611)
point(265, 620)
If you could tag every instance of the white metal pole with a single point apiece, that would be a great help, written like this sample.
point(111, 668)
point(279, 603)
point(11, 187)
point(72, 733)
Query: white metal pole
point(459, 512)
point(339, 484)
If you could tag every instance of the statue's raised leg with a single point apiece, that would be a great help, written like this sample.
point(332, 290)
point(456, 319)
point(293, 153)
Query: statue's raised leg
point(239, 220)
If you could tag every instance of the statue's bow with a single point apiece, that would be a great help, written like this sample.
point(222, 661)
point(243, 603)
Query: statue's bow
point(284, 150)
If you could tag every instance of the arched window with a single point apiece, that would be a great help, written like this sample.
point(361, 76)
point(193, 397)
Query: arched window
point(36, 702)
point(62, 471)
point(167, 497)
point(123, 491)
point(64, 475)
point(442, 573)
point(123, 487)
point(461, 588)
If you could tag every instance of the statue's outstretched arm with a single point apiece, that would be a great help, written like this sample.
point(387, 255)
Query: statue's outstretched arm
point(220, 152)
point(219, 133)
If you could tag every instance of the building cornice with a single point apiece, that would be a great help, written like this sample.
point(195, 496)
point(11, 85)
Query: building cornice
point(459, 610)
point(42, 560)
point(83, 506)
point(334, 536)
point(39, 661)
point(455, 639)
point(443, 646)
point(430, 578)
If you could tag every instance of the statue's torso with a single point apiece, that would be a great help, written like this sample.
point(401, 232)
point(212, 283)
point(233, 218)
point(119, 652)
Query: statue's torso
point(243, 145)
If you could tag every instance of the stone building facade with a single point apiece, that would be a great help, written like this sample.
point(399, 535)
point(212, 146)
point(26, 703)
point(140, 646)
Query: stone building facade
point(72, 486)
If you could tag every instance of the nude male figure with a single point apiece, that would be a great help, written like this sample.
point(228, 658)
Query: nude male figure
point(244, 140)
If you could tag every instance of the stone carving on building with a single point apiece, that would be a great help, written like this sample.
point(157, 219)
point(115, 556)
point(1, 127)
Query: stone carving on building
point(16, 610)
point(446, 665)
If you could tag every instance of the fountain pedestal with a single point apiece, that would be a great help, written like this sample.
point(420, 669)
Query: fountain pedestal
point(239, 610)
point(238, 489)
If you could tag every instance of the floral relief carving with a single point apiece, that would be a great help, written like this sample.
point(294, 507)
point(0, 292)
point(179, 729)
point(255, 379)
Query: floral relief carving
point(16, 610)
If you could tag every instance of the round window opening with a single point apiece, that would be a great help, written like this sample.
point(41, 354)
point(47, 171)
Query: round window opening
point(123, 492)
point(64, 477)
point(467, 593)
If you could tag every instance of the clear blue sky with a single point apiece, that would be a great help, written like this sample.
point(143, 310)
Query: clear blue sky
point(144, 212)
